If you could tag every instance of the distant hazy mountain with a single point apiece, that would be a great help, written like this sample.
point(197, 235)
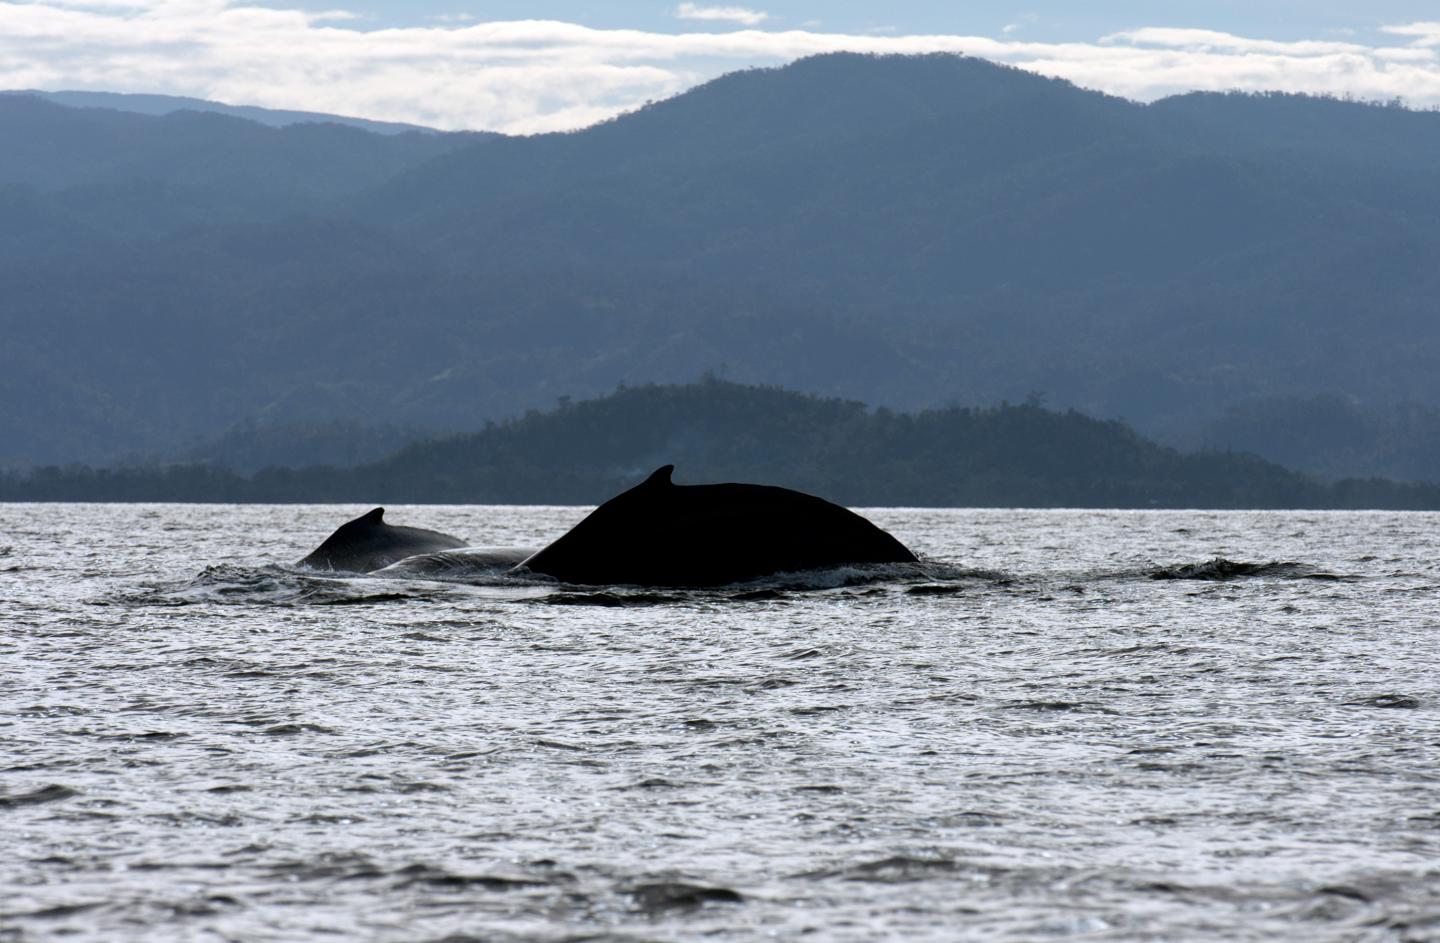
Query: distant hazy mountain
point(165, 104)
point(89, 157)
point(907, 231)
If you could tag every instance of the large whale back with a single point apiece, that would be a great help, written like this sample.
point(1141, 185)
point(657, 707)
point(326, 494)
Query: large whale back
point(368, 543)
point(663, 534)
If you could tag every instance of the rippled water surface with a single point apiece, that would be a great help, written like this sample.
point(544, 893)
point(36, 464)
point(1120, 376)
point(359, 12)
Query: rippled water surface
point(1029, 738)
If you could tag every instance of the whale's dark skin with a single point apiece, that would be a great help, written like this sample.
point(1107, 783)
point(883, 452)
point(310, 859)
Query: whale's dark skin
point(663, 534)
point(368, 543)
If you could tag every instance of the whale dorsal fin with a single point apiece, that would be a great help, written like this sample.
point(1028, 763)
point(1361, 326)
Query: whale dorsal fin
point(376, 516)
point(660, 476)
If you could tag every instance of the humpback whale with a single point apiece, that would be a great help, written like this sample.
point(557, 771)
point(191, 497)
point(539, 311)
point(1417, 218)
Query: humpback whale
point(368, 543)
point(663, 534)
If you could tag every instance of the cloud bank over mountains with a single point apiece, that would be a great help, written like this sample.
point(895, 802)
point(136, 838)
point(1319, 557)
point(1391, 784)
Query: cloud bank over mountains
point(526, 76)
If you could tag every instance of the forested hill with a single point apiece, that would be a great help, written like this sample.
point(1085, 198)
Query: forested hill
point(582, 453)
point(909, 231)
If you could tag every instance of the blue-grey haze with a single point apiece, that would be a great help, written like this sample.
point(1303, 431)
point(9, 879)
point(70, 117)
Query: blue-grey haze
point(909, 232)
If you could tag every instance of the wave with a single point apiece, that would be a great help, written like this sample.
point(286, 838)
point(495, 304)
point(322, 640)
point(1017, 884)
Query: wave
point(925, 577)
point(436, 575)
point(490, 571)
point(470, 565)
point(495, 567)
point(275, 586)
point(1220, 569)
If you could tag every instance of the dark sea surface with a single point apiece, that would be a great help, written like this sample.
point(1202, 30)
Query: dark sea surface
point(1027, 737)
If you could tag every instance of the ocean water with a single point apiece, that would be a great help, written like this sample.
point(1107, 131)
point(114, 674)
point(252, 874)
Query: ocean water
point(1028, 737)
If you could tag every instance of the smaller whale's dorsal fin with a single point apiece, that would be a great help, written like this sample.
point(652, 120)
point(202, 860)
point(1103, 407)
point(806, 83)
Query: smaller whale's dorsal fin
point(661, 476)
point(376, 516)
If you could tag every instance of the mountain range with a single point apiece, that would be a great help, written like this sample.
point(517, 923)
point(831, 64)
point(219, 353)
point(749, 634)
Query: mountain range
point(909, 231)
point(168, 104)
point(584, 452)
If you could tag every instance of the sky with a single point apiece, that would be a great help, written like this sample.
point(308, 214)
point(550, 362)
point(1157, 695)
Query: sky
point(546, 65)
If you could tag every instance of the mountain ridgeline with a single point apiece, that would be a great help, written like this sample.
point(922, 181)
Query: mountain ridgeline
point(582, 453)
point(169, 104)
point(907, 231)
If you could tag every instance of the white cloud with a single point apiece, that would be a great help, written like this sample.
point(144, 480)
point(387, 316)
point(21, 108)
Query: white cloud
point(1028, 19)
point(537, 75)
point(1426, 34)
point(104, 4)
point(741, 15)
point(1204, 40)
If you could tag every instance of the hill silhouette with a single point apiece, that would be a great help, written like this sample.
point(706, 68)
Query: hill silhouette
point(583, 452)
point(167, 104)
point(909, 231)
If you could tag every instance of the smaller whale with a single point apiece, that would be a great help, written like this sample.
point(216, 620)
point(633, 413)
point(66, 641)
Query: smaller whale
point(368, 543)
point(662, 534)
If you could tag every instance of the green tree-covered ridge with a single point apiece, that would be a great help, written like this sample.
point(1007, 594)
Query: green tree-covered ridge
point(583, 452)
